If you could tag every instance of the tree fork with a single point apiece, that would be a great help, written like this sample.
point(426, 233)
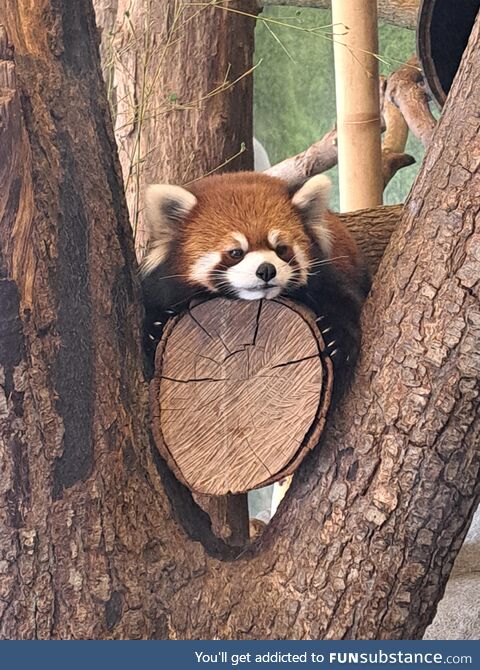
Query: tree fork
point(364, 541)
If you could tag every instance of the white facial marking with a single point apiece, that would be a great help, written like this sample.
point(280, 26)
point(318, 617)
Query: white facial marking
point(202, 268)
point(302, 263)
point(242, 241)
point(273, 236)
point(243, 276)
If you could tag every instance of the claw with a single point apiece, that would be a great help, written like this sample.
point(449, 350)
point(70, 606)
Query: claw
point(330, 344)
point(320, 318)
point(333, 353)
point(158, 324)
point(151, 337)
point(327, 330)
point(170, 312)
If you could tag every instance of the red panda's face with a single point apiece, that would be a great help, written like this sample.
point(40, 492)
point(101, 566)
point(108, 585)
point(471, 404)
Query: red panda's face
point(249, 251)
point(239, 234)
point(251, 269)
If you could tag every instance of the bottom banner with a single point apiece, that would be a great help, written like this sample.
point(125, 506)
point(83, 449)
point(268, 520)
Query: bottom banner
point(205, 655)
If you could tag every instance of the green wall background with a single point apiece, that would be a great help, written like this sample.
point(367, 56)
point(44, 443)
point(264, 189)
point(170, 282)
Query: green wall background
point(294, 87)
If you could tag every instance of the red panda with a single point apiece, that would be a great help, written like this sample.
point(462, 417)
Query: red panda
point(243, 235)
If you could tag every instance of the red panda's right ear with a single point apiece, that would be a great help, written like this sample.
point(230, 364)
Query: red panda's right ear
point(311, 202)
point(166, 207)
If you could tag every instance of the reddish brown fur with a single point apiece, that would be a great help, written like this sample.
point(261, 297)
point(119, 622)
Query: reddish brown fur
point(252, 204)
point(344, 247)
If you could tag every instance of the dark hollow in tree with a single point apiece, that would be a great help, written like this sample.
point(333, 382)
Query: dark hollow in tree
point(442, 35)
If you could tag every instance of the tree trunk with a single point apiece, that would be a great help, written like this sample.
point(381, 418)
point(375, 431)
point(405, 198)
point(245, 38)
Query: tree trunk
point(180, 83)
point(72, 397)
point(399, 12)
point(97, 539)
point(372, 229)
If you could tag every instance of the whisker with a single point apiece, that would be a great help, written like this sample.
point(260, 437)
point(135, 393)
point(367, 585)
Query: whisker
point(188, 299)
point(325, 261)
point(173, 276)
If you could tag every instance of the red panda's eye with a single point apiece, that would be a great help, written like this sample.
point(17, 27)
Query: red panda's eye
point(282, 250)
point(236, 254)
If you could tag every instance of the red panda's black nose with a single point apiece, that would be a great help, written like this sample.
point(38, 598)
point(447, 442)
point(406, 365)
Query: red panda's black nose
point(266, 271)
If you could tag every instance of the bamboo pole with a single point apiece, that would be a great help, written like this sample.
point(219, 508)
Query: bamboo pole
point(358, 105)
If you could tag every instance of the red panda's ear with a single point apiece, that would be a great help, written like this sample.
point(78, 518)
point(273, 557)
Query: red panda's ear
point(166, 207)
point(311, 201)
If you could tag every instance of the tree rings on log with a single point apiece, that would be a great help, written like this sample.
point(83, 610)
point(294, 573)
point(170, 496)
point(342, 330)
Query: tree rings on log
point(240, 393)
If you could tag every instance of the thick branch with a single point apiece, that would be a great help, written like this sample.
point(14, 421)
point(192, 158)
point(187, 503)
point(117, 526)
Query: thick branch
point(399, 12)
point(372, 229)
point(405, 89)
point(319, 157)
point(394, 141)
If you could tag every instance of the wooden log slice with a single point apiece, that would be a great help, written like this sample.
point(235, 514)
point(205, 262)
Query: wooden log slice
point(240, 393)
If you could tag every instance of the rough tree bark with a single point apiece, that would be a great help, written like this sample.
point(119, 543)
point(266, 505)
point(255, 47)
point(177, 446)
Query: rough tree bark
point(70, 380)
point(399, 12)
point(179, 79)
point(96, 538)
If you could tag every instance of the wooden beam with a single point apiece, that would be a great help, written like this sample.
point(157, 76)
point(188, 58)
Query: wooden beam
point(358, 105)
point(401, 13)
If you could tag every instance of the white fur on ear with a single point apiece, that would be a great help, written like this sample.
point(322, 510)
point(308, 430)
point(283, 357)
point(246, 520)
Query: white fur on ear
point(312, 202)
point(166, 207)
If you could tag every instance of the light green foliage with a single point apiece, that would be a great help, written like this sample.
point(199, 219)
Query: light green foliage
point(294, 89)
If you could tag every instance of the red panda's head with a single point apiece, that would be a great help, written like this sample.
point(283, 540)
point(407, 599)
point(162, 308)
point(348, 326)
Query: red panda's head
point(240, 234)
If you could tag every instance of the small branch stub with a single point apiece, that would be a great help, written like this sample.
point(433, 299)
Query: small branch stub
point(240, 393)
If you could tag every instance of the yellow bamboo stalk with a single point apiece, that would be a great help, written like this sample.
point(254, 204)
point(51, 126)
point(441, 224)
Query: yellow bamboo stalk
point(358, 105)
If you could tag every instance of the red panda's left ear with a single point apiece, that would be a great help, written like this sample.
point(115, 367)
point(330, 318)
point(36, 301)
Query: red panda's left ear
point(311, 201)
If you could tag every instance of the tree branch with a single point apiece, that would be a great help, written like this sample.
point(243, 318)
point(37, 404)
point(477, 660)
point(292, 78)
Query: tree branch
point(405, 90)
point(394, 141)
point(323, 155)
point(398, 12)
point(372, 229)
point(319, 157)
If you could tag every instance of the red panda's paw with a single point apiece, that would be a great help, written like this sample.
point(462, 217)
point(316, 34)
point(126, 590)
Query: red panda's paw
point(342, 345)
point(152, 334)
point(331, 347)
